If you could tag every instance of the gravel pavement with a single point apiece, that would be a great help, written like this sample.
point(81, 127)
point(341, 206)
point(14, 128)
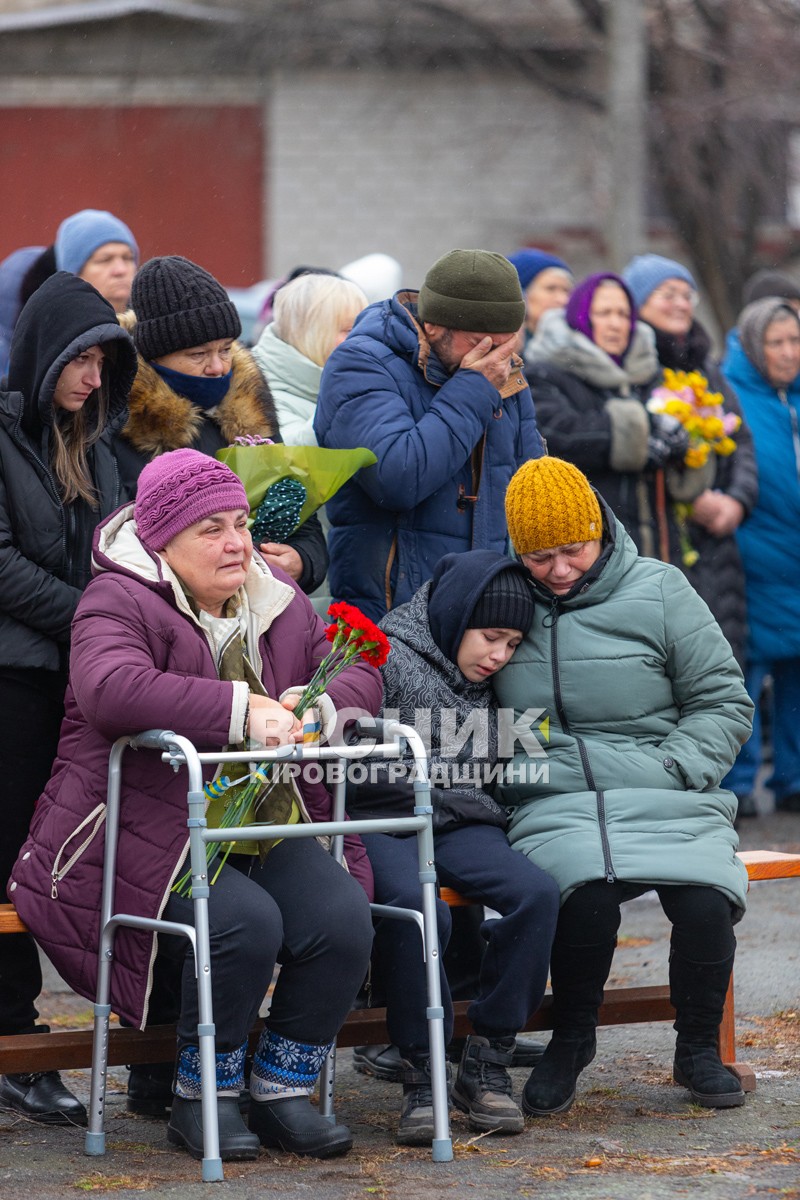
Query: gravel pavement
point(630, 1136)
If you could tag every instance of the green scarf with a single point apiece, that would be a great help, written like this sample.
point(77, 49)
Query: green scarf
point(277, 805)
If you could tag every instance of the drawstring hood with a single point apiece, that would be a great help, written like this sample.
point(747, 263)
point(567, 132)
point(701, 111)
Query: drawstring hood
point(64, 317)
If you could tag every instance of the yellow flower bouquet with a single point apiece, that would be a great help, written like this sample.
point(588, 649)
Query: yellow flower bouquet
point(686, 396)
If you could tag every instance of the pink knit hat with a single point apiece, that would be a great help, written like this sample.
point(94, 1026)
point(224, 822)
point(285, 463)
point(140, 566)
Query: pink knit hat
point(181, 487)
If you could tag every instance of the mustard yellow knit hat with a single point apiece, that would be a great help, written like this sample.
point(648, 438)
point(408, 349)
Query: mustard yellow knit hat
point(550, 503)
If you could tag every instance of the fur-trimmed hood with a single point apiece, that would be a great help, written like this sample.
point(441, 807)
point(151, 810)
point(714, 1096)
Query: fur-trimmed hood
point(161, 420)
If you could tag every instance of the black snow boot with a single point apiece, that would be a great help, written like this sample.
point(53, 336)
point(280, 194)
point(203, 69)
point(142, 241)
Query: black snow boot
point(697, 992)
point(578, 974)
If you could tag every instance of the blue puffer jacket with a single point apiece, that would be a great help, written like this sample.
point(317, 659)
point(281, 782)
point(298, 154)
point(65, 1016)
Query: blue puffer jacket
point(768, 540)
point(439, 440)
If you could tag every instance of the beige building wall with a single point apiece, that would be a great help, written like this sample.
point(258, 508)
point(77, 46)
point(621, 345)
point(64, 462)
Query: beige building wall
point(414, 165)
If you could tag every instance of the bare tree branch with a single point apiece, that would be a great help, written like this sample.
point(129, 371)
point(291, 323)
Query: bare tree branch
point(531, 63)
point(594, 13)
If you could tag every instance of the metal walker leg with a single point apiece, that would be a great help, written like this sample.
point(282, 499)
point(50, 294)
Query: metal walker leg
point(199, 937)
point(178, 751)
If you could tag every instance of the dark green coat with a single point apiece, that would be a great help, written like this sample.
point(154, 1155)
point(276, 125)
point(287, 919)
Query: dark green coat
point(647, 710)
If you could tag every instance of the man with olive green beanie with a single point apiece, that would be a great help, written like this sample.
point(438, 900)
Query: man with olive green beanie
point(429, 382)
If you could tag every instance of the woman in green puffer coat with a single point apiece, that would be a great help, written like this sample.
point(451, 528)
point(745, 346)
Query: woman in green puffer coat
point(647, 710)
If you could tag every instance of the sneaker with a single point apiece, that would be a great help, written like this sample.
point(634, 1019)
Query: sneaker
point(527, 1052)
point(483, 1086)
point(416, 1112)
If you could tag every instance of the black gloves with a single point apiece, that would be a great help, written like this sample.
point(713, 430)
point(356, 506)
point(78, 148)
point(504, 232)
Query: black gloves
point(667, 440)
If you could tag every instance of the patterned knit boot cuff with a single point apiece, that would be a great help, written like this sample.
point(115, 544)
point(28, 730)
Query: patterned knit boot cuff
point(283, 1068)
point(230, 1072)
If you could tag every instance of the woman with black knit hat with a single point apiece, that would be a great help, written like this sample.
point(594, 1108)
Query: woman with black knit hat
point(197, 387)
point(70, 370)
point(448, 643)
point(647, 711)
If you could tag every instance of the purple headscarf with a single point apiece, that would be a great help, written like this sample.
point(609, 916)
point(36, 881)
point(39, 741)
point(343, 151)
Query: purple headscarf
point(580, 302)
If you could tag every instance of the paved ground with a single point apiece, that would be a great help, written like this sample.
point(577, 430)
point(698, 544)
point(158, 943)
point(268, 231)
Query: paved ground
point(630, 1136)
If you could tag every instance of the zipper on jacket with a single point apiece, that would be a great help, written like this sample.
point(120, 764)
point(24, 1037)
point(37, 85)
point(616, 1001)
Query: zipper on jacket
point(117, 483)
point(69, 540)
point(784, 399)
point(552, 619)
point(59, 871)
point(28, 449)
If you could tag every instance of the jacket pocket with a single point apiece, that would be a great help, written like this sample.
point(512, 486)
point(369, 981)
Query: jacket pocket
point(90, 826)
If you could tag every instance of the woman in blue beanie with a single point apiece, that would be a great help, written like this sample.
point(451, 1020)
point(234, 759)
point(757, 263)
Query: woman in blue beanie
point(101, 249)
point(546, 282)
point(666, 296)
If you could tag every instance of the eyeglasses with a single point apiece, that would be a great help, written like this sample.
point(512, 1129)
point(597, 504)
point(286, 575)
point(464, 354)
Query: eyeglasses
point(673, 295)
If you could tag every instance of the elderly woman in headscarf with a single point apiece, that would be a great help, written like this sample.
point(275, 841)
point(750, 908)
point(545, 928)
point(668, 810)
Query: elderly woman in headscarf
point(762, 362)
point(591, 370)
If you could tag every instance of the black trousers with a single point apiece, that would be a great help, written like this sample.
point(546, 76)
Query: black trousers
point(32, 704)
point(478, 862)
point(300, 909)
point(702, 925)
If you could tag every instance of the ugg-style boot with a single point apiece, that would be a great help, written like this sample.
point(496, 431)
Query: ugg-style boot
point(578, 974)
point(185, 1128)
point(283, 1077)
point(697, 992)
point(483, 1086)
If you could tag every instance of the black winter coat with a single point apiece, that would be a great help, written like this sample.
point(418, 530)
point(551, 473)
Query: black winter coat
point(591, 412)
point(45, 545)
point(718, 575)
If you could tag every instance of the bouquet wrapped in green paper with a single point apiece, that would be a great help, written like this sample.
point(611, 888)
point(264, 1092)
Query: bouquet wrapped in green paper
point(286, 484)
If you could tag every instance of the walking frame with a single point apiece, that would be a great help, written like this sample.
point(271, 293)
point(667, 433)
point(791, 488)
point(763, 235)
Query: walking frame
point(177, 752)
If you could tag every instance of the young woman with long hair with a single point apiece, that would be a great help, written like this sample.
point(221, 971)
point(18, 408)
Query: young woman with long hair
point(70, 371)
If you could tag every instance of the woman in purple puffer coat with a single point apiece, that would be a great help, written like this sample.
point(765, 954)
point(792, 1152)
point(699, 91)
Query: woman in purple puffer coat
point(184, 627)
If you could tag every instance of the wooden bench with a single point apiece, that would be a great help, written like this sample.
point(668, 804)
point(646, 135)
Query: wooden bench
point(70, 1049)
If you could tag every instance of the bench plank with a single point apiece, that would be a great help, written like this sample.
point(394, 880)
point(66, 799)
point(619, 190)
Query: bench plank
point(9, 921)
point(72, 1048)
point(770, 864)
